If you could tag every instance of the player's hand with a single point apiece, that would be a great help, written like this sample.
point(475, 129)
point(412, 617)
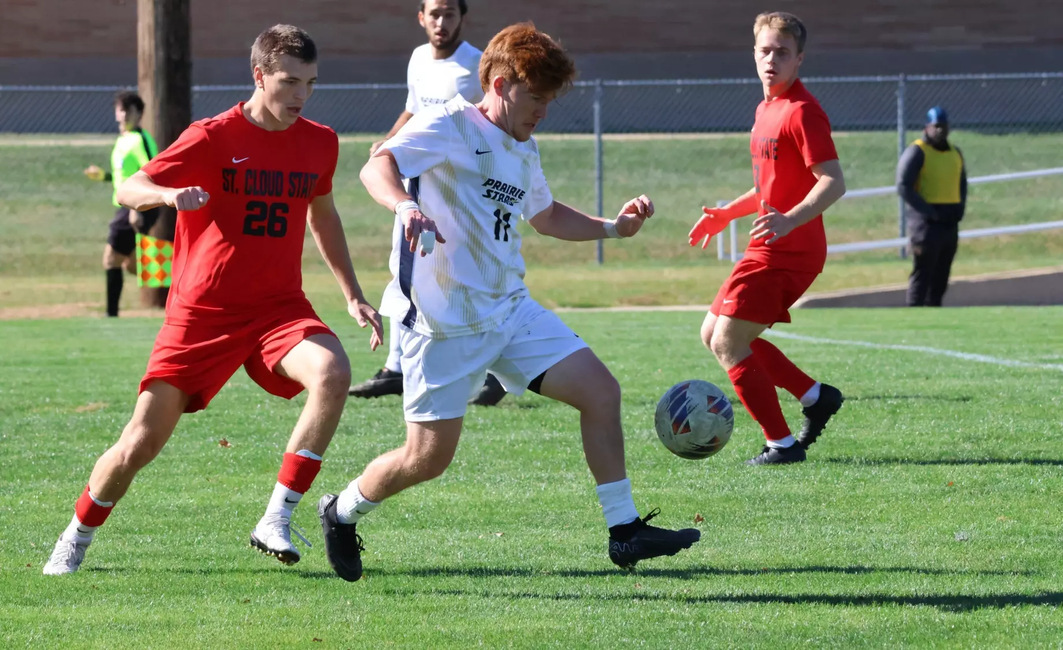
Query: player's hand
point(713, 221)
point(187, 199)
point(366, 315)
point(634, 213)
point(416, 223)
point(376, 145)
point(95, 173)
point(773, 225)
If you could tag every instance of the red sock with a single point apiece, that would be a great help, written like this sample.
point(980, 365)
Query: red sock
point(89, 512)
point(757, 392)
point(783, 372)
point(298, 472)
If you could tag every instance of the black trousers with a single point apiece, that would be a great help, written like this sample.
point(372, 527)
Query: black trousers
point(933, 247)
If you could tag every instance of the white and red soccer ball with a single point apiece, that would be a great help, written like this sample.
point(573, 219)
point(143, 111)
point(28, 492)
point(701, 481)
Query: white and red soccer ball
point(694, 419)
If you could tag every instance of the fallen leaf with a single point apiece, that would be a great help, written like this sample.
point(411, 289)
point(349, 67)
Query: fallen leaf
point(499, 534)
point(638, 585)
point(949, 484)
point(225, 443)
point(998, 519)
point(317, 640)
point(698, 518)
point(90, 407)
point(29, 566)
point(247, 600)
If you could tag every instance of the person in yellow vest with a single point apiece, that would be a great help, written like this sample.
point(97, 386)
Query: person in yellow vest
point(932, 180)
point(133, 149)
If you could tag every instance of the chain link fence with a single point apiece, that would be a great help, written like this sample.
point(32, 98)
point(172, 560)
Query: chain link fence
point(874, 119)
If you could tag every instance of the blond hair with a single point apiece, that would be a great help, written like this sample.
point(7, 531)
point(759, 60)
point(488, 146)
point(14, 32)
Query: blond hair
point(784, 23)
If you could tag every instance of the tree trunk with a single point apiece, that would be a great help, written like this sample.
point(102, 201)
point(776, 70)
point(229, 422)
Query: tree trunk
point(164, 81)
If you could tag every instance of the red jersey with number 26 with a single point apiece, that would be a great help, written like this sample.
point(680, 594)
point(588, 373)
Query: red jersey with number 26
point(241, 254)
point(791, 134)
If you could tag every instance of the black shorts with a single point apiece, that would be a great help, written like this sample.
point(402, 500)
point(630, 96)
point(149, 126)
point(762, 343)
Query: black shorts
point(122, 236)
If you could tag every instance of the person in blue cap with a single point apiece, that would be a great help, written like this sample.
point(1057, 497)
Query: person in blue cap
point(932, 180)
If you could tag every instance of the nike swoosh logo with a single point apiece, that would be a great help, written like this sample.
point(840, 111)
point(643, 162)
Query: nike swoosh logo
point(361, 513)
point(726, 302)
point(287, 500)
point(237, 162)
point(480, 153)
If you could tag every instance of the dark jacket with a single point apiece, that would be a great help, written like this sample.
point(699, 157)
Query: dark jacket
point(908, 169)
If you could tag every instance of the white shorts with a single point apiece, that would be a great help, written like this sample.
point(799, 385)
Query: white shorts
point(439, 376)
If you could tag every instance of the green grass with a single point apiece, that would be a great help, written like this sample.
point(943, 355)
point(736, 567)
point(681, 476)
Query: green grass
point(928, 516)
point(54, 221)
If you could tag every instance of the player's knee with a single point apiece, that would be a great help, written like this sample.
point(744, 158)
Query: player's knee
point(139, 446)
point(604, 397)
point(332, 376)
point(720, 345)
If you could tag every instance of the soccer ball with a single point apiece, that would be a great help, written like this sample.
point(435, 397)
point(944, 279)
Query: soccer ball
point(694, 419)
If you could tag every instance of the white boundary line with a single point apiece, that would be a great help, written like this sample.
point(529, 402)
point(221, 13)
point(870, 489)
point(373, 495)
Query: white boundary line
point(966, 356)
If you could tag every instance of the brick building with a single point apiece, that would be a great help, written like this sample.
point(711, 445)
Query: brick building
point(94, 41)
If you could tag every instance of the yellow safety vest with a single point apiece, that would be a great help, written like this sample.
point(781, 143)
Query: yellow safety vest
point(939, 179)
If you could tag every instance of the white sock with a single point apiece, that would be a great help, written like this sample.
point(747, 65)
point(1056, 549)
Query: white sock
point(352, 506)
point(811, 397)
point(395, 352)
point(782, 443)
point(617, 504)
point(79, 531)
point(282, 502)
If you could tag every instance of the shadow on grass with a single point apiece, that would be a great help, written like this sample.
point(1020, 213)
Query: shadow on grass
point(945, 461)
point(928, 398)
point(682, 574)
point(950, 603)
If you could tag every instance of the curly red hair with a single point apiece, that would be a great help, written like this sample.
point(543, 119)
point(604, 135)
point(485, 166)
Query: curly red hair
point(521, 53)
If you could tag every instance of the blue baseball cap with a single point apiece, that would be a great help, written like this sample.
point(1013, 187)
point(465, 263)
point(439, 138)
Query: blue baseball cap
point(937, 115)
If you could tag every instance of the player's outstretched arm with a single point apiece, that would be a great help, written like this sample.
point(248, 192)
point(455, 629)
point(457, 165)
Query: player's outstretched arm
point(140, 193)
point(563, 222)
point(383, 181)
point(714, 220)
point(327, 228)
point(829, 187)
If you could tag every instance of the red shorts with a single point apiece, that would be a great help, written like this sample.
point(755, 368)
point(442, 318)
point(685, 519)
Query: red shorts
point(199, 357)
point(759, 293)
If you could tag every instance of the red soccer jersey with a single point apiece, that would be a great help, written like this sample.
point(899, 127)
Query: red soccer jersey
point(791, 134)
point(241, 254)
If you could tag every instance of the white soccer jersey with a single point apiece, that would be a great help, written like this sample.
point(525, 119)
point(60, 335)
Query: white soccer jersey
point(432, 82)
point(474, 181)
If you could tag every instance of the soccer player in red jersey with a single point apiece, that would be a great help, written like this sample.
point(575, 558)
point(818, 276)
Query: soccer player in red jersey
point(246, 185)
point(796, 177)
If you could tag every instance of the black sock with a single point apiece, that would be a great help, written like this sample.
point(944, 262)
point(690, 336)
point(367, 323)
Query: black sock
point(114, 290)
point(623, 532)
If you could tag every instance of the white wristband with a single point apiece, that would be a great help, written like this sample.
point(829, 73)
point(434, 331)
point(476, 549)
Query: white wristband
point(403, 206)
point(610, 229)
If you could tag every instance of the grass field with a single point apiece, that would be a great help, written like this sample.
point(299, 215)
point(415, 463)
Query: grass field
point(928, 516)
point(54, 221)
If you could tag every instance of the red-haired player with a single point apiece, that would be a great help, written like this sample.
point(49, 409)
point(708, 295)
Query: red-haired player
point(796, 177)
point(246, 185)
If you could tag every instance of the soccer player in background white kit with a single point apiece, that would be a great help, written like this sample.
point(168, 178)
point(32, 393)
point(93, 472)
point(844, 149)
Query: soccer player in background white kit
point(441, 69)
point(464, 308)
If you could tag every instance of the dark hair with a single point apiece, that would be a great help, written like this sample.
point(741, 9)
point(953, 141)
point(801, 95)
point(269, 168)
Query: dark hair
point(128, 99)
point(785, 23)
point(278, 41)
point(463, 6)
point(521, 53)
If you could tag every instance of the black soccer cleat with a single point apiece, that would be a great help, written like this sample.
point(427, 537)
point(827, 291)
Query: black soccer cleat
point(343, 546)
point(384, 382)
point(649, 541)
point(772, 456)
point(491, 393)
point(816, 416)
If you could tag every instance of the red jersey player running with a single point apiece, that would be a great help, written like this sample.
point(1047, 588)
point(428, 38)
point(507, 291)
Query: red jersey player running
point(796, 177)
point(246, 184)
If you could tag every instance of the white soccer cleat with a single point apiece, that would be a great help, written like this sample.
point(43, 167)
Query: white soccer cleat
point(273, 536)
point(66, 557)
